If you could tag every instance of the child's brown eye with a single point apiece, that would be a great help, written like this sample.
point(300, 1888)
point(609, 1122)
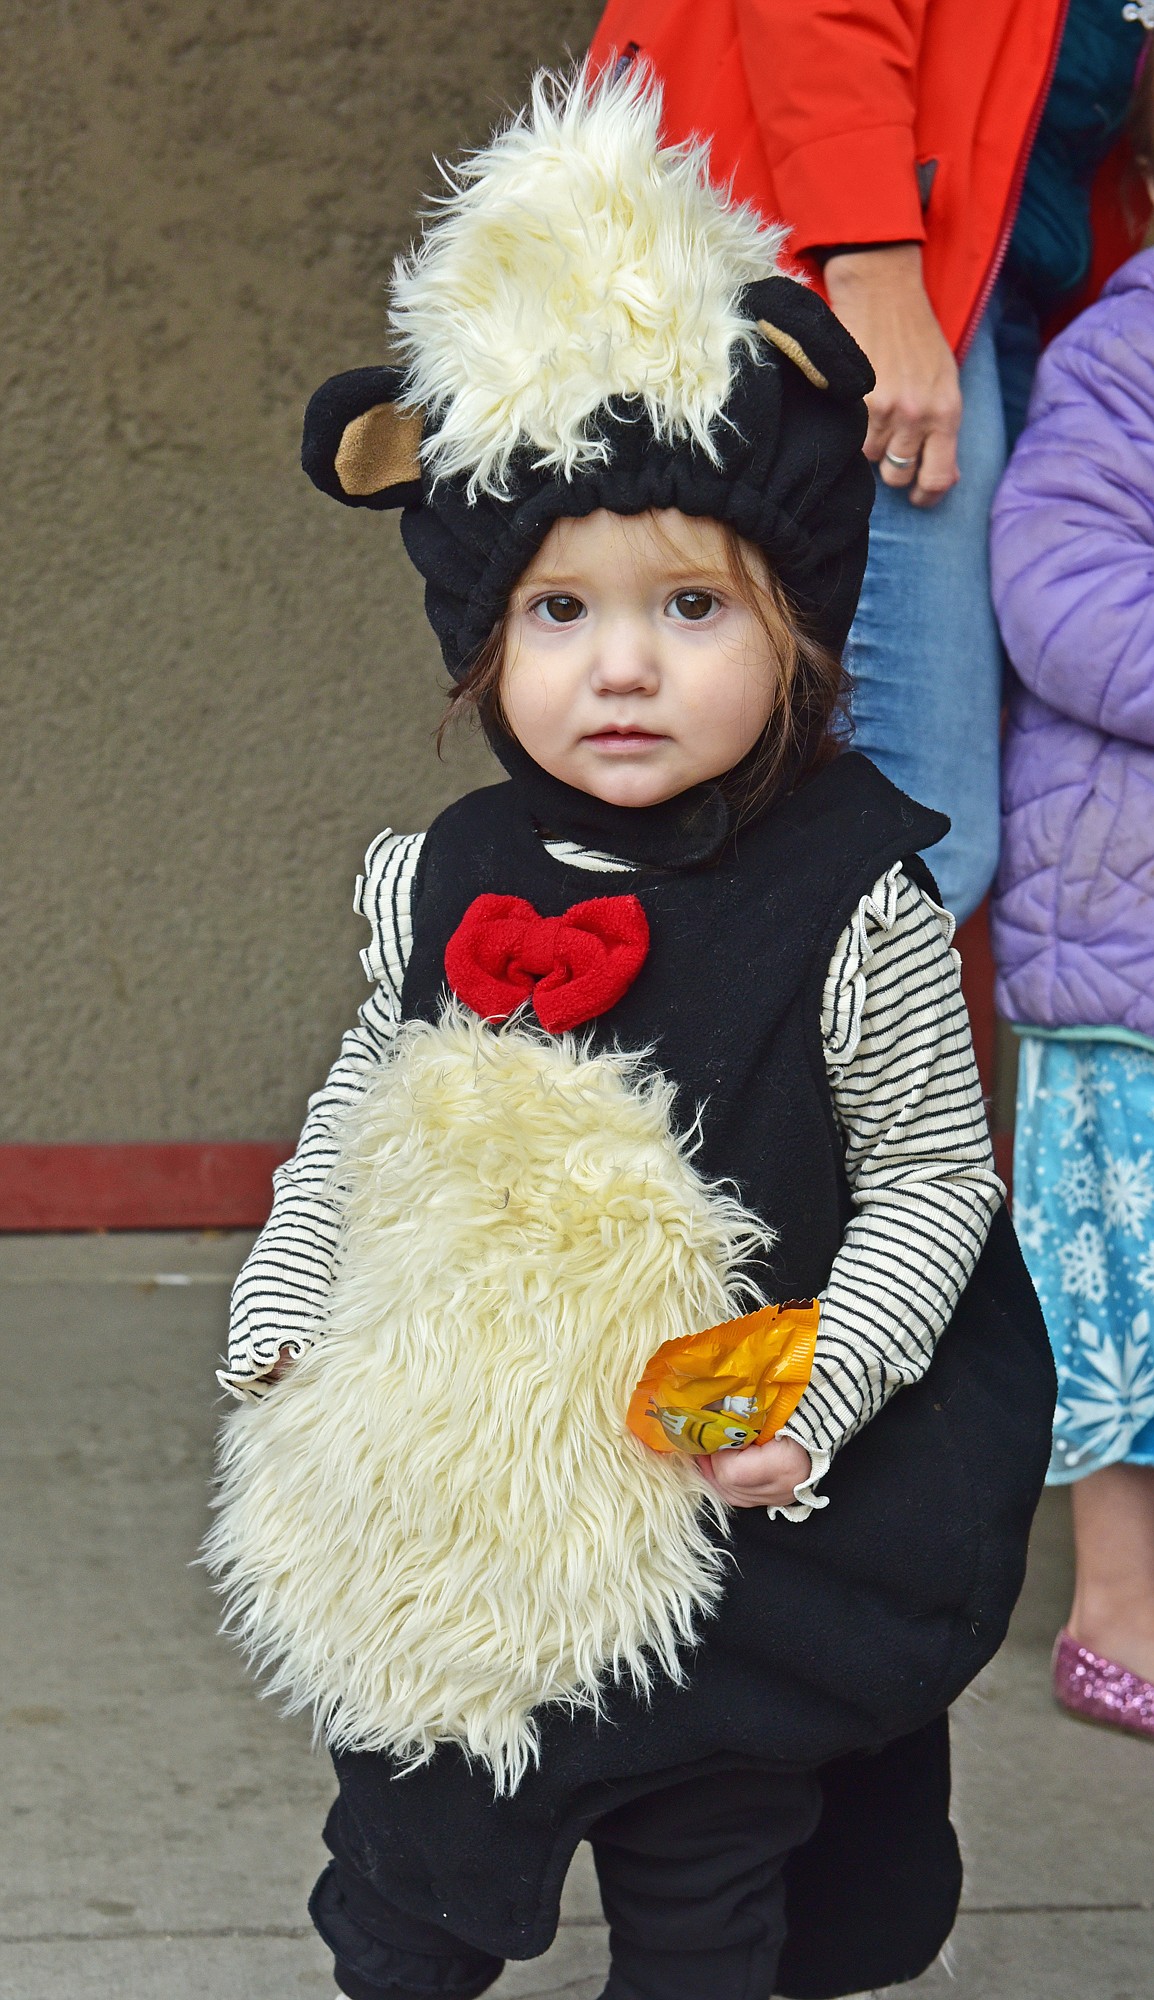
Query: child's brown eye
point(560, 610)
point(693, 604)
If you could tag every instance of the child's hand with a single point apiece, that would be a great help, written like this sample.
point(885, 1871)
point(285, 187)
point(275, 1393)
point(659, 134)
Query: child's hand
point(281, 1365)
point(761, 1475)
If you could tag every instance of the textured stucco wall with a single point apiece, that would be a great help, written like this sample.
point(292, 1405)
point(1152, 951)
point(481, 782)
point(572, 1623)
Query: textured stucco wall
point(214, 685)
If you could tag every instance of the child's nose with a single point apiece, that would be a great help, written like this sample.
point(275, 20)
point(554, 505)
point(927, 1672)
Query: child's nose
point(626, 659)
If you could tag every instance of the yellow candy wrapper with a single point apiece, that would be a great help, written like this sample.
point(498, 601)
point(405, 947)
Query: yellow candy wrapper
point(732, 1385)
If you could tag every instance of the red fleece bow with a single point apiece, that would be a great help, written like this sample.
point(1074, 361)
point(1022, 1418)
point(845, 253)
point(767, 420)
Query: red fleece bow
point(574, 966)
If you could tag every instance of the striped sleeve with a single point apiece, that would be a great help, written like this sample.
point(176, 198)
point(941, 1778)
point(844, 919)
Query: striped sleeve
point(384, 895)
point(918, 1155)
point(281, 1296)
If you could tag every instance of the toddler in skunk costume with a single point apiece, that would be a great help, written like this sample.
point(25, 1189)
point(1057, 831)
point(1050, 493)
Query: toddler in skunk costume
point(665, 1025)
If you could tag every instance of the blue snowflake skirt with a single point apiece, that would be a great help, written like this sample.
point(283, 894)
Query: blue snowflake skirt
point(1084, 1213)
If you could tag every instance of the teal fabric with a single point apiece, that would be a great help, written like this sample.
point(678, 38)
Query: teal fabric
point(1084, 1215)
point(1085, 111)
point(1126, 1035)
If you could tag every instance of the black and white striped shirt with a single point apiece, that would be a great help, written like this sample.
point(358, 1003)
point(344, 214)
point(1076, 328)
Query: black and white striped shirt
point(905, 1090)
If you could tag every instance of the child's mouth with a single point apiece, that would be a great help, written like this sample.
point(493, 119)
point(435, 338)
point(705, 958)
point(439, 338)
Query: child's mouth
point(622, 741)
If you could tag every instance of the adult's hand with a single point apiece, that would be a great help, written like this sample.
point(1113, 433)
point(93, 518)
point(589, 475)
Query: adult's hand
point(916, 408)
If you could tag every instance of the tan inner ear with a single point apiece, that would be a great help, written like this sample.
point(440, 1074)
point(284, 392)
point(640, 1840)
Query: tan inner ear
point(777, 337)
point(379, 449)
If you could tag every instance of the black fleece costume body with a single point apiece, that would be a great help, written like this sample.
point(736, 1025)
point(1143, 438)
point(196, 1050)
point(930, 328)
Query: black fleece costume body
point(840, 1641)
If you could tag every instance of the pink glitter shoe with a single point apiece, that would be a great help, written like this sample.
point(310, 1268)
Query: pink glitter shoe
point(1097, 1690)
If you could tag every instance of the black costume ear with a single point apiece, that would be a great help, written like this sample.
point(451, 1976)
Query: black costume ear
point(361, 446)
point(801, 326)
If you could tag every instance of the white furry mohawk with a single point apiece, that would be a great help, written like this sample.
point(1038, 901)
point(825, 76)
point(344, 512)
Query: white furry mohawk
point(575, 259)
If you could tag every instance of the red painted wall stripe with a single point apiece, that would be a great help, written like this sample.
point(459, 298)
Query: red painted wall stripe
point(180, 1186)
point(973, 942)
point(191, 1185)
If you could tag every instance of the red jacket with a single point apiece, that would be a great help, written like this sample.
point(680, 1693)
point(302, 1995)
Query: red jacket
point(862, 121)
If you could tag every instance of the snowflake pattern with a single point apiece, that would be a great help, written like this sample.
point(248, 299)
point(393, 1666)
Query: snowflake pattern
point(1077, 1185)
point(1127, 1191)
point(1078, 1094)
point(1136, 1065)
point(1107, 1394)
point(1083, 1261)
point(1084, 1212)
point(1031, 1224)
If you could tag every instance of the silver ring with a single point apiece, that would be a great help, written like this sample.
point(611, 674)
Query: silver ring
point(902, 464)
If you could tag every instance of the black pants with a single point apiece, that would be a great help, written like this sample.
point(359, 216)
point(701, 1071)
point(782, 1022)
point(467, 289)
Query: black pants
point(691, 1885)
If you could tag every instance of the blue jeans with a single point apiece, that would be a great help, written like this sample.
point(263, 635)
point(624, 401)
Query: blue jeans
point(924, 654)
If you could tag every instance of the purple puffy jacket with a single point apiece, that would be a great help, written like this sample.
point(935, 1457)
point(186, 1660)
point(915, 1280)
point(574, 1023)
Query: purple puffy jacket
point(1073, 580)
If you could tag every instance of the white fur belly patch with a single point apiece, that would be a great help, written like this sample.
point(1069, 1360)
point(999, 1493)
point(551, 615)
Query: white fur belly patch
point(438, 1522)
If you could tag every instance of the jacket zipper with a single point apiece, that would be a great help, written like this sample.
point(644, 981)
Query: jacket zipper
point(1010, 213)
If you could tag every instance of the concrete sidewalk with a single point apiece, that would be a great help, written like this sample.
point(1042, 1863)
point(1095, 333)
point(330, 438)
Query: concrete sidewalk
point(162, 1827)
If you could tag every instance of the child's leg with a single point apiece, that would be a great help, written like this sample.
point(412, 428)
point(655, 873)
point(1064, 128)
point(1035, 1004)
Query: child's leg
point(692, 1888)
point(381, 1954)
point(1113, 1611)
